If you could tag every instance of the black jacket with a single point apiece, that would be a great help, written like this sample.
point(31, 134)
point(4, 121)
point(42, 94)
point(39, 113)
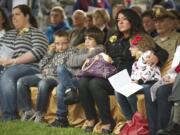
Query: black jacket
point(119, 51)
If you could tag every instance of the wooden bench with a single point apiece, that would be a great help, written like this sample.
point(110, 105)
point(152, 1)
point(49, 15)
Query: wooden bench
point(76, 114)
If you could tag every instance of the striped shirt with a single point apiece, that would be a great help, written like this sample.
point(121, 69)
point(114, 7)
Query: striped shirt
point(32, 41)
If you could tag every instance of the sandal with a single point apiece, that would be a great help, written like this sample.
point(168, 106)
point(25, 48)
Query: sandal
point(89, 125)
point(108, 128)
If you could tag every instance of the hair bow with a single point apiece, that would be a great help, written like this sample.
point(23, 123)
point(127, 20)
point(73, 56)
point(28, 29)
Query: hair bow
point(135, 40)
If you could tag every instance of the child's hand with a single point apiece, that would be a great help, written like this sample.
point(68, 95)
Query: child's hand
point(52, 47)
point(91, 49)
point(152, 60)
point(167, 79)
point(107, 58)
point(45, 71)
point(133, 51)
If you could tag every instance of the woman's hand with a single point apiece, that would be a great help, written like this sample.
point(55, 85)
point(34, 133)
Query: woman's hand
point(7, 62)
point(152, 60)
point(3, 61)
point(133, 81)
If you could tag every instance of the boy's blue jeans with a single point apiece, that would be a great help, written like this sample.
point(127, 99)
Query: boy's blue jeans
point(67, 80)
point(45, 87)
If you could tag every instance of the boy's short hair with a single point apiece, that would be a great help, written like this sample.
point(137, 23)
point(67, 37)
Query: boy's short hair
point(95, 33)
point(61, 33)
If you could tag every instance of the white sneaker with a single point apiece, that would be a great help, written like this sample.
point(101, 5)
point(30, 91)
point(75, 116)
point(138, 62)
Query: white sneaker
point(39, 117)
point(28, 115)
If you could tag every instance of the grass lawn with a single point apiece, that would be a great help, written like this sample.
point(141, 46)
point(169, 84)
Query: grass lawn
point(29, 128)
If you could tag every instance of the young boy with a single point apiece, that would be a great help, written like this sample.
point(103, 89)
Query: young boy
point(46, 80)
point(67, 76)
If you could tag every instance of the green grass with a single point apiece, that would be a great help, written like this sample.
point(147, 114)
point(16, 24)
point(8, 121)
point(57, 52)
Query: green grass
point(29, 128)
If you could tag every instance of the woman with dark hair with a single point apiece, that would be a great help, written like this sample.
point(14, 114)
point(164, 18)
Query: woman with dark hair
point(27, 45)
point(4, 23)
point(27, 11)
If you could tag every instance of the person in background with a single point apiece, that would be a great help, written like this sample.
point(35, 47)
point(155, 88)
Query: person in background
point(177, 14)
point(148, 23)
point(168, 39)
point(85, 4)
point(169, 77)
point(173, 127)
point(28, 45)
point(165, 24)
point(101, 18)
point(8, 5)
point(67, 75)
point(89, 20)
point(77, 33)
point(4, 23)
point(46, 80)
point(137, 9)
point(57, 22)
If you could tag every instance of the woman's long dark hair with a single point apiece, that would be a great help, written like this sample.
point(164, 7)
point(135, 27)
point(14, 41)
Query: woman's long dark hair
point(6, 23)
point(27, 11)
point(134, 19)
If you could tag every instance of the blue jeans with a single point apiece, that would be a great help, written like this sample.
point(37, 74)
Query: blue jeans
point(8, 88)
point(158, 112)
point(67, 80)
point(129, 104)
point(45, 86)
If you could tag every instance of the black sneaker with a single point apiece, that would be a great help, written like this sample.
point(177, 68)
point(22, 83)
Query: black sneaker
point(60, 122)
point(172, 129)
point(71, 96)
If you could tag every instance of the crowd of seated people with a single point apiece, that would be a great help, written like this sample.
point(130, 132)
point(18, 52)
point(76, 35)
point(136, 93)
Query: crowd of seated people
point(145, 43)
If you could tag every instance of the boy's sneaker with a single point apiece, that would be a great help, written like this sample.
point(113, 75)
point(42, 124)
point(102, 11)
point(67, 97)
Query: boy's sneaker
point(60, 122)
point(71, 96)
point(28, 115)
point(39, 117)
